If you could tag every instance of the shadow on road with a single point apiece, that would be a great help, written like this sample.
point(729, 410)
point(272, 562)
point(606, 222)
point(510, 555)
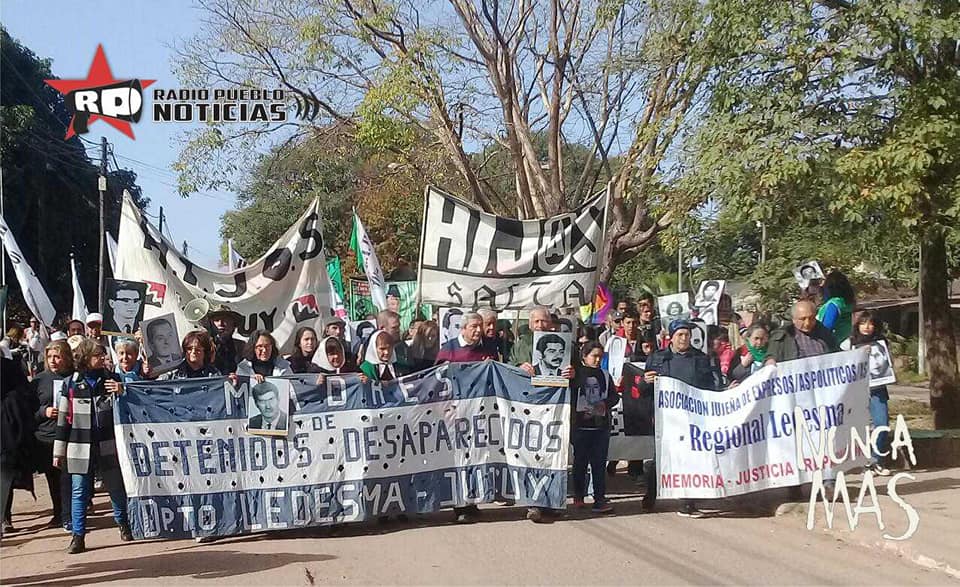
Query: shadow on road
point(194, 563)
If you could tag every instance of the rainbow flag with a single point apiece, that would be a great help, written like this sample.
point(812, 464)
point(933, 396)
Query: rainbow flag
point(602, 303)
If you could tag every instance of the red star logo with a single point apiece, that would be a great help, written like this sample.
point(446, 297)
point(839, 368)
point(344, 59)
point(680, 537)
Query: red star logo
point(99, 75)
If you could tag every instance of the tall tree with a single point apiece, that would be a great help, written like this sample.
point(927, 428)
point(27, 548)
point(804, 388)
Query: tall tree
point(859, 103)
point(331, 166)
point(621, 78)
point(50, 185)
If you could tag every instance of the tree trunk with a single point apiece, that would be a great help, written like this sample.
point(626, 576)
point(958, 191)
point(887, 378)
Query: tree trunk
point(938, 333)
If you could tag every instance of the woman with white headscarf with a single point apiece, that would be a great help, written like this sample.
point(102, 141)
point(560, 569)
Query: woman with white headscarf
point(331, 358)
point(379, 361)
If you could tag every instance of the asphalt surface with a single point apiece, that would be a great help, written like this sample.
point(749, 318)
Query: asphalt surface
point(744, 543)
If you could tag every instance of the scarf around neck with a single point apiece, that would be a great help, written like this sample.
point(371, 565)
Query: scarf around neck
point(759, 355)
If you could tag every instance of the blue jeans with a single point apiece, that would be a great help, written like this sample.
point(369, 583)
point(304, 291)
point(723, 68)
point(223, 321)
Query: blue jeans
point(82, 490)
point(880, 416)
point(590, 448)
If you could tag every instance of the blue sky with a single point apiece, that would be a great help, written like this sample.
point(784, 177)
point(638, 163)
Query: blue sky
point(137, 37)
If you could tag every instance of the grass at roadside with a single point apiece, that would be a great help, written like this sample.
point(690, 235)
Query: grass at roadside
point(916, 413)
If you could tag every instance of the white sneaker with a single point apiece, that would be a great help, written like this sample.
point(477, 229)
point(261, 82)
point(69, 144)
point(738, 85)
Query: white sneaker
point(879, 470)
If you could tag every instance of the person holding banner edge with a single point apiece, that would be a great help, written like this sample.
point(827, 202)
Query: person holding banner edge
point(85, 440)
point(683, 362)
point(520, 356)
point(465, 348)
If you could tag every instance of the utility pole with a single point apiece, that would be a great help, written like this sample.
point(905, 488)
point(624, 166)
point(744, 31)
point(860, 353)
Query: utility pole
point(102, 184)
point(161, 220)
point(3, 257)
point(679, 269)
point(921, 345)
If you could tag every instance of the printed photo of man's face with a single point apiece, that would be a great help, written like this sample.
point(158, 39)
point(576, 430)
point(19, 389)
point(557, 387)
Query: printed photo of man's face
point(268, 401)
point(553, 354)
point(163, 339)
point(125, 304)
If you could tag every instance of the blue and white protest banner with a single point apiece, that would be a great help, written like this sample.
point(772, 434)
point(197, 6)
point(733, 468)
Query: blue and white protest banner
point(453, 435)
point(775, 429)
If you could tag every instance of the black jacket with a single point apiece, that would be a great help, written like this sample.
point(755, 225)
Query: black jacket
point(17, 407)
point(783, 342)
point(691, 367)
point(42, 386)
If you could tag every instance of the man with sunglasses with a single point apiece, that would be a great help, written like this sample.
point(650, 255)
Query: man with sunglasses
point(614, 322)
point(125, 305)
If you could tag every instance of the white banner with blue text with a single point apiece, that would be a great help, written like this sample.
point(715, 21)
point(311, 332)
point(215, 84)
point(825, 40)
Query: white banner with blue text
point(713, 444)
point(450, 436)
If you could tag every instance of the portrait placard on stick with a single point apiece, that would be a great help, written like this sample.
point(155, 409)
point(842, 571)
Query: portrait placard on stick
point(161, 343)
point(551, 353)
point(123, 311)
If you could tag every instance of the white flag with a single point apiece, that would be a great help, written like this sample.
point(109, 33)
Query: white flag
point(79, 311)
point(112, 252)
point(234, 260)
point(367, 258)
point(33, 293)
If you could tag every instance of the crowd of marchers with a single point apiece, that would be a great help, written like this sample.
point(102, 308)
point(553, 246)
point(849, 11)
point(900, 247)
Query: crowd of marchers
point(58, 387)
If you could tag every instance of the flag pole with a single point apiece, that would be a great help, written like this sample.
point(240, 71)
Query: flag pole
point(600, 251)
point(423, 238)
point(3, 259)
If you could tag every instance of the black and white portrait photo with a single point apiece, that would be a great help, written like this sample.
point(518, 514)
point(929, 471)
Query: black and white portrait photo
point(708, 313)
point(362, 330)
point(124, 308)
point(881, 366)
point(592, 398)
point(674, 307)
point(268, 407)
point(161, 343)
point(616, 354)
point(551, 353)
point(709, 292)
point(698, 335)
point(807, 272)
point(450, 320)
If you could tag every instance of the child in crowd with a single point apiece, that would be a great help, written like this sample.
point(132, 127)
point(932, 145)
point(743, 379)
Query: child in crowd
point(85, 440)
point(867, 331)
point(593, 395)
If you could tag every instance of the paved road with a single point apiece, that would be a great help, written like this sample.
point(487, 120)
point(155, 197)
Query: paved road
point(628, 548)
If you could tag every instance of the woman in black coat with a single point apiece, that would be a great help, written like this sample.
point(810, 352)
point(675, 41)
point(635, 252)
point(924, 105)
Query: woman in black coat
point(17, 406)
point(58, 365)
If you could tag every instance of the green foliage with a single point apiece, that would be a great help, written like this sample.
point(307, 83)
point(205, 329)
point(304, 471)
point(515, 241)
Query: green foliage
point(342, 174)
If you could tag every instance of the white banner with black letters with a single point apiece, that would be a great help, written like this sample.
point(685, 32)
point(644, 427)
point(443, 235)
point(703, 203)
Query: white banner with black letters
point(477, 260)
point(283, 290)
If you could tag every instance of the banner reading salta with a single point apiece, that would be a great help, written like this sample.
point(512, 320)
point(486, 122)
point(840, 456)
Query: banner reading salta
point(721, 443)
point(477, 260)
point(283, 290)
point(342, 451)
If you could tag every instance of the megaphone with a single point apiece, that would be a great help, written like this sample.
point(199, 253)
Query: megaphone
point(122, 101)
point(196, 309)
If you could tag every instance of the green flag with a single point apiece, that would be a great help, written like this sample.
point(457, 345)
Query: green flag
point(367, 260)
